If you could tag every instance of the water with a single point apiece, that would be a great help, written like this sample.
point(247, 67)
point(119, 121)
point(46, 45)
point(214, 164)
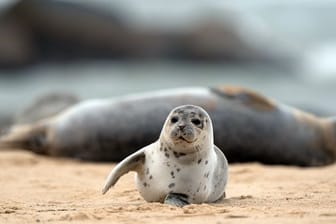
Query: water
point(107, 79)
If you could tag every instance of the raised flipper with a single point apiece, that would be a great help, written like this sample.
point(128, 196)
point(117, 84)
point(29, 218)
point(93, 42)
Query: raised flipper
point(130, 163)
point(176, 199)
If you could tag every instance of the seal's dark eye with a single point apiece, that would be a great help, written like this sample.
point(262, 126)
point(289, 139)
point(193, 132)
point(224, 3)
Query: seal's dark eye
point(196, 121)
point(174, 119)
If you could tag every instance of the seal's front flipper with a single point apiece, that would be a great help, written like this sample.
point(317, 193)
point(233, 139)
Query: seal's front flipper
point(176, 199)
point(131, 163)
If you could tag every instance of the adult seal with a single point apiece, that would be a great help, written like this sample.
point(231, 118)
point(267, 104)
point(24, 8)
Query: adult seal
point(247, 127)
point(183, 166)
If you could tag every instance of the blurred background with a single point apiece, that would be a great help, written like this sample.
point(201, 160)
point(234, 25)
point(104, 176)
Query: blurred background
point(285, 49)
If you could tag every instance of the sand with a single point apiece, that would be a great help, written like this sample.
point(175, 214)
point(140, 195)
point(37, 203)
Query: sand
point(37, 189)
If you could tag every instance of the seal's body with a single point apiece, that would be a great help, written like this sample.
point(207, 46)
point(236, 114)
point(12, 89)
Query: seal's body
point(247, 127)
point(183, 166)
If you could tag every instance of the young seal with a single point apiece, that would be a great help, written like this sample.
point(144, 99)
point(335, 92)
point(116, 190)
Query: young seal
point(183, 166)
point(247, 126)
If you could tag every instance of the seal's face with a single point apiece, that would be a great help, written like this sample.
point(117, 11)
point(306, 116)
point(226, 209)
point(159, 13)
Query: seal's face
point(187, 125)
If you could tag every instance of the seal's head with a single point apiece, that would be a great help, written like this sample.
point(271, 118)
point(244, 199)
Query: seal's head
point(186, 127)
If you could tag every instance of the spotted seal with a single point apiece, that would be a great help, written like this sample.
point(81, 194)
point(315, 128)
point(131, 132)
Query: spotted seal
point(183, 166)
point(247, 126)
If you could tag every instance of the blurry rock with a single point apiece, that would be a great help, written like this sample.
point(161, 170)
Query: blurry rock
point(65, 30)
point(16, 45)
point(44, 30)
point(45, 106)
point(212, 39)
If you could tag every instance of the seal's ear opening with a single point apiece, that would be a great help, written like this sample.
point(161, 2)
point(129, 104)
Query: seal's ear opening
point(30, 137)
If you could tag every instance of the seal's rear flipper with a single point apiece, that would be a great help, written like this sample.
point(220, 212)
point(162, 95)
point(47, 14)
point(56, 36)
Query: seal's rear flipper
point(330, 137)
point(176, 199)
point(131, 163)
point(31, 137)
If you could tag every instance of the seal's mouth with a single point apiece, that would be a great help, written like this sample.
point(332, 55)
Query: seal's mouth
point(185, 140)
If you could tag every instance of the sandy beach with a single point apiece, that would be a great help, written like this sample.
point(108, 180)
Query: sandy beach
point(37, 189)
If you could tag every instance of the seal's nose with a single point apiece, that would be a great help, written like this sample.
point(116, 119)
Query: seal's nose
point(181, 126)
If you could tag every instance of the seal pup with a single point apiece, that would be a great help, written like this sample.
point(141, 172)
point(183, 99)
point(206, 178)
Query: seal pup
point(183, 166)
point(248, 127)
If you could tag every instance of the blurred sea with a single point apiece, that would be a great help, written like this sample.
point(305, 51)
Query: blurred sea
point(106, 79)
